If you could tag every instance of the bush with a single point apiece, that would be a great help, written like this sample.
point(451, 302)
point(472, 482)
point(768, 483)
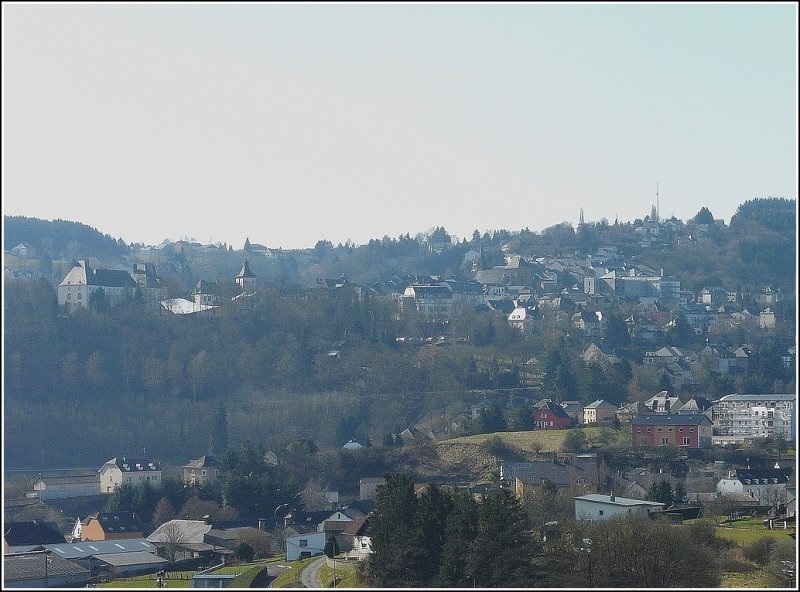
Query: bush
point(575, 441)
point(244, 552)
point(759, 551)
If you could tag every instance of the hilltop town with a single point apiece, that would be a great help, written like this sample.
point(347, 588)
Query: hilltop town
point(646, 367)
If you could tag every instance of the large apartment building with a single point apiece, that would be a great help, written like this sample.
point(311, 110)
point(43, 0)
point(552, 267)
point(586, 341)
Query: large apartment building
point(756, 416)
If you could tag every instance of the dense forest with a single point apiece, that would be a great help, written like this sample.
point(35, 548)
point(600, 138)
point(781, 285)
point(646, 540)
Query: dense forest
point(81, 389)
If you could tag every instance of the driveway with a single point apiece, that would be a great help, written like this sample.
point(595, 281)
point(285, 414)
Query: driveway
point(309, 577)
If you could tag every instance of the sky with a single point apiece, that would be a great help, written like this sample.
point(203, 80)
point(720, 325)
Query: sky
point(292, 123)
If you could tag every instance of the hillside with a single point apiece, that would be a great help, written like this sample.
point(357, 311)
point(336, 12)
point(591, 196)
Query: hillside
point(60, 239)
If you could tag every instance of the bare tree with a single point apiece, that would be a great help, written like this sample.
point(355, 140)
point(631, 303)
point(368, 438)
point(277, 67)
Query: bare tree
point(172, 538)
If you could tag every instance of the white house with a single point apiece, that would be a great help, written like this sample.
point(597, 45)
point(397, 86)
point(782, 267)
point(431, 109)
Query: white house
point(767, 485)
point(134, 471)
point(82, 280)
point(596, 506)
point(305, 545)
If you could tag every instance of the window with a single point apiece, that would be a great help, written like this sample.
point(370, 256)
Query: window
point(304, 542)
point(79, 295)
point(664, 441)
point(638, 430)
point(643, 441)
point(204, 472)
point(69, 296)
point(685, 441)
point(600, 512)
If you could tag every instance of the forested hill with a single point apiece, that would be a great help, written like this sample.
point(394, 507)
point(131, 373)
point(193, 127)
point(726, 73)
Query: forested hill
point(60, 239)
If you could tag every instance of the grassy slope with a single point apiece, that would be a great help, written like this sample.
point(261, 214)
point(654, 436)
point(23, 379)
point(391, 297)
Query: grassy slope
point(546, 440)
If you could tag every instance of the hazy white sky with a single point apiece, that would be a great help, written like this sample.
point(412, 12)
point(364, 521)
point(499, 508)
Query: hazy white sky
point(288, 123)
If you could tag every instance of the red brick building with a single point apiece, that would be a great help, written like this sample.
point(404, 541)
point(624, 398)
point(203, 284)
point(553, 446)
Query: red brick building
point(681, 431)
point(551, 416)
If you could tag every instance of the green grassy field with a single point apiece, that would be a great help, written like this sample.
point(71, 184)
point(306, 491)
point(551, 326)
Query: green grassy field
point(745, 536)
point(346, 576)
point(551, 440)
point(740, 580)
point(290, 578)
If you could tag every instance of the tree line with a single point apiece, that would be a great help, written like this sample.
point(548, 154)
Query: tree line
point(444, 537)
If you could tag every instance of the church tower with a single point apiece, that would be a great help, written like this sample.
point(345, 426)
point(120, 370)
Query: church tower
point(246, 280)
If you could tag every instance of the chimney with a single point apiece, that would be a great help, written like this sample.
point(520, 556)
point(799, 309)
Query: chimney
point(207, 519)
point(262, 525)
point(611, 497)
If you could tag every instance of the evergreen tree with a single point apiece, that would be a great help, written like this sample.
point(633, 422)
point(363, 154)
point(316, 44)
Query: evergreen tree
point(396, 551)
point(704, 216)
point(502, 553)
point(661, 491)
point(218, 443)
point(461, 528)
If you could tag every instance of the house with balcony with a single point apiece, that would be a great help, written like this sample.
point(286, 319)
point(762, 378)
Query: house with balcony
point(756, 416)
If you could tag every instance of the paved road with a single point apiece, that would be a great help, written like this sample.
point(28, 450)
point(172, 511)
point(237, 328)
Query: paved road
point(273, 571)
point(309, 577)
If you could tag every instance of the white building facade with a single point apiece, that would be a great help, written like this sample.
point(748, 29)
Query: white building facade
point(134, 471)
point(756, 416)
point(596, 506)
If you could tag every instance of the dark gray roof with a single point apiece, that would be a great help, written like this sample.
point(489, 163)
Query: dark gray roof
point(599, 403)
point(132, 465)
point(765, 475)
point(128, 559)
point(204, 461)
point(556, 409)
point(118, 522)
point(557, 472)
point(32, 532)
point(671, 420)
point(245, 272)
point(432, 292)
point(83, 273)
point(29, 567)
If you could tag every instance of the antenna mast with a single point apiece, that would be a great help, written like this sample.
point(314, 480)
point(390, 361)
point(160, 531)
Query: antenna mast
point(658, 208)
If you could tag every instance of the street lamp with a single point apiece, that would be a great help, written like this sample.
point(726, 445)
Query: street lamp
point(275, 513)
point(587, 546)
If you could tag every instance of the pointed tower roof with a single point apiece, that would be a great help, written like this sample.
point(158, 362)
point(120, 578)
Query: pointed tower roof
point(246, 273)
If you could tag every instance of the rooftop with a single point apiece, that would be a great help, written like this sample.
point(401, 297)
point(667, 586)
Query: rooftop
point(617, 501)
